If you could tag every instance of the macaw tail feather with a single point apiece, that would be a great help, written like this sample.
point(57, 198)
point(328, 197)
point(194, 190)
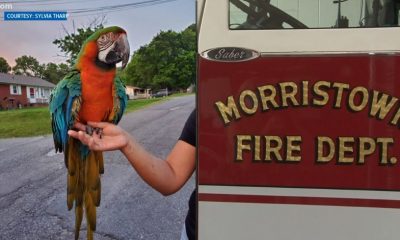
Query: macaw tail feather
point(101, 162)
point(78, 220)
point(83, 185)
point(72, 160)
point(90, 234)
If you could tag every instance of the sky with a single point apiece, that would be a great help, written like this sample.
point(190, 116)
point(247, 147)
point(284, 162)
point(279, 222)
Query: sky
point(34, 38)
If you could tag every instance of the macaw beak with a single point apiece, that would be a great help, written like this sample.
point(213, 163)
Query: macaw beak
point(124, 49)
point(120, 52)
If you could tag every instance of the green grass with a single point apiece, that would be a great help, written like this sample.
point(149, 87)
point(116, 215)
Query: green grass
point(36, 121)
point(134, 105)
point(25, 122)
point(181, 94)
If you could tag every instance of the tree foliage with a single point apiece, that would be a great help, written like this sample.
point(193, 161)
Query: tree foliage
point(4, 67)
point(168, 61)
point(28, 66)
point(54, 73)
point(71, 43)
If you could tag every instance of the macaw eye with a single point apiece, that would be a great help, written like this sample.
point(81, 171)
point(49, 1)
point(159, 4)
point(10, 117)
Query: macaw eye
point(104, 41)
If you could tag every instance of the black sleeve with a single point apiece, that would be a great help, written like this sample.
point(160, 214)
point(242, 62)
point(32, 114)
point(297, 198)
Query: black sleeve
point(189, 130)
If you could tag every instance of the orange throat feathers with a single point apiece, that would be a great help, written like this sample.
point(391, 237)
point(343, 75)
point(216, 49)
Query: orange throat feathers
point(97, 87)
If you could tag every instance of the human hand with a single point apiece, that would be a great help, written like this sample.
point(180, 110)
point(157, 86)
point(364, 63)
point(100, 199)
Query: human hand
point(110, 137)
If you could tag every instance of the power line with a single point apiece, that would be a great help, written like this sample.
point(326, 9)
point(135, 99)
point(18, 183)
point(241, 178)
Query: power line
point(80, 12)
point(49, 2)
point(119, 6)
point(89, 12)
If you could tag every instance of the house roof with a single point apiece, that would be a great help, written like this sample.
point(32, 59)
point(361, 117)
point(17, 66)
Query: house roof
point(24, 80)
point(132, 87)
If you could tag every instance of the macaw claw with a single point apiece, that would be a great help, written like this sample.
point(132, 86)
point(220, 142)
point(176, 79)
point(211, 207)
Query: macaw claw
point(90, 130)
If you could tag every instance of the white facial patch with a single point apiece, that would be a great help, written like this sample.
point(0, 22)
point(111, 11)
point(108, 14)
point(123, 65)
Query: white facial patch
point(103, 53)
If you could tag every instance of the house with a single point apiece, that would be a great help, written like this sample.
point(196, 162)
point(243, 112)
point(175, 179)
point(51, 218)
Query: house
point(18, 91)
point(191, 88)
point(136, 92)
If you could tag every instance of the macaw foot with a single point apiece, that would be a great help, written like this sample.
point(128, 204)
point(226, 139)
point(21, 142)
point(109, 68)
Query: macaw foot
point(90, 130)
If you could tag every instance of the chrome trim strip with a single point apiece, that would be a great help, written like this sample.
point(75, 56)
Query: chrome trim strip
point(294, 54)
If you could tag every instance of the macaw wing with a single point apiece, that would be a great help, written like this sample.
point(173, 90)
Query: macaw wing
point(120, 100)
point(65, 102)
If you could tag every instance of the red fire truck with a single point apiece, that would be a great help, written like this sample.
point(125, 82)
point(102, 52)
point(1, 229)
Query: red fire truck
point(298, 119)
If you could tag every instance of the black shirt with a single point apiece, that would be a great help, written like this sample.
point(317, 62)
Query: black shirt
point(189, 135)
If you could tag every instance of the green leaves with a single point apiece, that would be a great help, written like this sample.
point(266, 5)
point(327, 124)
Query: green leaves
point(71, 44)
point(4, 67)
point(168, 61)
point(28, 66)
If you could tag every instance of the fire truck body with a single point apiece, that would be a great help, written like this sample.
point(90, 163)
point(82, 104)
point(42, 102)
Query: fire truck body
point(298, 120)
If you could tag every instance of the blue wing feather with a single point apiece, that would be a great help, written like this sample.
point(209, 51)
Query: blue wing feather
point(61, 108)
point(120, 94)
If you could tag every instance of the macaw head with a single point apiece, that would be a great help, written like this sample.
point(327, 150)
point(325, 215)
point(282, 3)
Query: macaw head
point(107, 47)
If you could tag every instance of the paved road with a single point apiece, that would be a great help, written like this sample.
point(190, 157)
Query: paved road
point(33, 185)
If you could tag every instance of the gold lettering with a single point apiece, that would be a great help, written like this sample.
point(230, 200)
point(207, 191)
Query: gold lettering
point(384, 147)
point(254, 102)
point(273, 149)
point(380, 105)
point(396, 118)
point(241, 146)
point(343, 149)
point(305, 93)
point(293, 144)
point(331, 149)
point(230, 110)
point(366, 147)
point(364, 98)
point(339, 95)
point(323, 94)
point(257, 143)
point(292, 94)
point(268, 98)
point(289, 91)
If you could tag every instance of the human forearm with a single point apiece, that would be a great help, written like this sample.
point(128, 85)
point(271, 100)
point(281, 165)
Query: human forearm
point(166, 176)
point(156, 172)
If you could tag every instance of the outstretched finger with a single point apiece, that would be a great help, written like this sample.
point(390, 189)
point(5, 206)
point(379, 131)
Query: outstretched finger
point(98, 124)
point(84, 138)
point(80, 126)
point(73, 134)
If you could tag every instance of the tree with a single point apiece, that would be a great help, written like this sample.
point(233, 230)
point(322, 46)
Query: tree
point(29, 66)
point(168, 61)
point(71, 44)
point(54, 73)
point(4, 67)
point(63, 69)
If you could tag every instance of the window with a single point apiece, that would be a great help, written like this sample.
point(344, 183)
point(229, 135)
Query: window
point(15, 89)
point(31, 93)
point(302, 14)
point(46, 93)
